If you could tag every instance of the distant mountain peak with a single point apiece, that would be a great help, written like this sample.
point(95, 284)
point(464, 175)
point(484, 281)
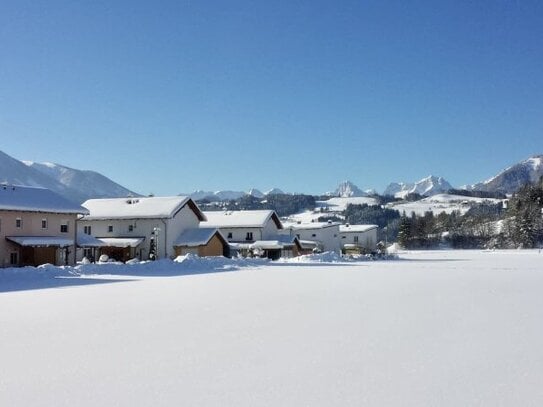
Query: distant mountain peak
point(430, 185)
point(348, 189)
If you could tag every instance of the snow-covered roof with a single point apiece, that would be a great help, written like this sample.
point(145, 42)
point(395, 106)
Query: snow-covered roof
point(196, 237)
point(310, 225)
point(278, 242)
point(122, 241)
point(84, 240)
point(356, 228)
point(241, 219)
point(139, 208)
point(34, 199)
point(41, 241)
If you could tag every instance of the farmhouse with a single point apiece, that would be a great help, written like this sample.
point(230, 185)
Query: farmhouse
point(146, 227)
point(358, 238)
point(37, 226)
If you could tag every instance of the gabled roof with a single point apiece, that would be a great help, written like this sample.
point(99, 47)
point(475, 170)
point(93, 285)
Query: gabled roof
point(156, 207)
point(311, 225)
point(198, 237)
point(356, 228)
point(241, 219)
point(277, 242)
point(33, 199)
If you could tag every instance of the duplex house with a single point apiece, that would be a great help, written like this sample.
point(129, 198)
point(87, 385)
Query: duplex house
point(358, 238)
point(324, 235)
point(37, 226)
point(147, 227)
point(253, 232)
point(244, 226)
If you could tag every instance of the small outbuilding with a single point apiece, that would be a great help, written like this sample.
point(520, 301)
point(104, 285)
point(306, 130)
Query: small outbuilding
point(203, 242)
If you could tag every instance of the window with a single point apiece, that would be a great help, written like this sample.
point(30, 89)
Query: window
point(130, 228)
point(87, 230)
point(356, 239)
point(229, 235)
point(64, 227)
point(87, 252)
point(44, 223)
point(110, 228)
point(18, 223)
point(13, 258)
point(249, 236)
point(313, 235)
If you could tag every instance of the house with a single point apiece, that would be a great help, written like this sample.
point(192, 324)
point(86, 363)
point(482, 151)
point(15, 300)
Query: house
point(324, 234)
point(244, 226)
point(144, 227)
point(37, 226)
point(358, 238)
point(254, 232)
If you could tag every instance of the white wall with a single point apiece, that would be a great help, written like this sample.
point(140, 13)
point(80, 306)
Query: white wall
point(326, 236)
point(366, 239)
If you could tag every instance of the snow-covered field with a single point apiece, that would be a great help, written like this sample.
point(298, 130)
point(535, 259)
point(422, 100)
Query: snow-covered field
point(440, 203)
point(443, 328)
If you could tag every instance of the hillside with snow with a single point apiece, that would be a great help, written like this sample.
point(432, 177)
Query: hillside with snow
point(82, 184)
point(75, 185)
point(440, 203)
point(511, 179)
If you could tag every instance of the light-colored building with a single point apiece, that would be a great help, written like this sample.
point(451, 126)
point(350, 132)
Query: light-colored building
point(37, 226)
point(145, 227)
point(324, 234)
point(244, 226)
point(358, 238)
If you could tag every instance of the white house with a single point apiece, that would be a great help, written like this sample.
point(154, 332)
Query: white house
point(358, 237)
point(145, 227)
point(245, 226)
point(37, 226)
point(324, 234)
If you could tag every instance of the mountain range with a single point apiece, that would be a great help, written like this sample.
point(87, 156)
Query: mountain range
point(80, 185)
point(75, 185)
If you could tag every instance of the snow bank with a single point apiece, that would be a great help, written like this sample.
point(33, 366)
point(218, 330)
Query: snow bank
point(45, 276)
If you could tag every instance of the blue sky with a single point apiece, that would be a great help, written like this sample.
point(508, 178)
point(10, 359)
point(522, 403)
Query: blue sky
point(168, 97)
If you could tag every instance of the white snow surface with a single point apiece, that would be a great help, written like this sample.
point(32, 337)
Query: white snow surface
point(443, 328)
point(135, 208)
point(224, 219)
point(35, 199)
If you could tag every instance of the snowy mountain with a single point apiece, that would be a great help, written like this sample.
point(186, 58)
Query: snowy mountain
point(75, 185)
point(511, 179)
point(428, 186)
point(81, 184)
point(347, 189)
point(256, 193)
point(275, 191)
point(231, 195)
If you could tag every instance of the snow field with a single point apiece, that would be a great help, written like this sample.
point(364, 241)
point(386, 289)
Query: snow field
point(447, 328)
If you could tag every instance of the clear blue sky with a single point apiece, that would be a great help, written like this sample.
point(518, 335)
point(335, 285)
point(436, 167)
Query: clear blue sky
point(167, 97)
